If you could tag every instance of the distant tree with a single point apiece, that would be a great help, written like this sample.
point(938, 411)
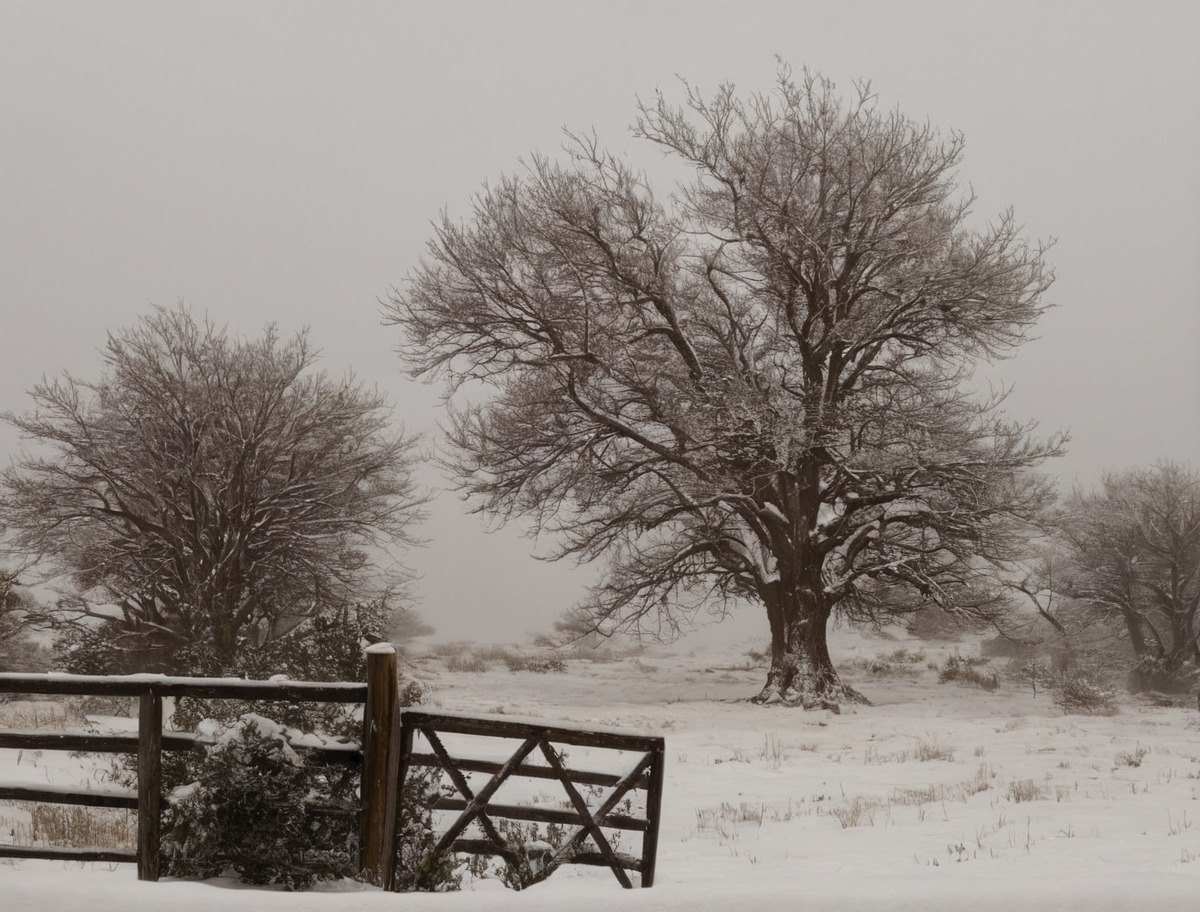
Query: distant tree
point(18, 651)
point(208, 492)
point(1131, 555)
point(408, 625)
point(753, 391)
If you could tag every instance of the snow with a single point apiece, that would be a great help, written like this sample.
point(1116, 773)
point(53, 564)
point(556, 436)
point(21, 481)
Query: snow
point(1015, 805)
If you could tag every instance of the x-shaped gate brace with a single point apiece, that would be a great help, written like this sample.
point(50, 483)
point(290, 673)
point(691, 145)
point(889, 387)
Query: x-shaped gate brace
point(647, 774)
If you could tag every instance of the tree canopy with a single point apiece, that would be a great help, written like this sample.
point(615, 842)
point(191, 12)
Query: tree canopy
point(208, 491)
point(755, 388)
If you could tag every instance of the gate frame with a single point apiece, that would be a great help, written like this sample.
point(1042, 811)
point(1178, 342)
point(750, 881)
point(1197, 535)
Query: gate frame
point(647, 774)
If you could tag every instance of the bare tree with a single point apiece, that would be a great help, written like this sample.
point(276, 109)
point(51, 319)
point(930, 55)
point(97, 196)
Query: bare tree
point(208, 491)
point(753, 391)
point(1132, 555)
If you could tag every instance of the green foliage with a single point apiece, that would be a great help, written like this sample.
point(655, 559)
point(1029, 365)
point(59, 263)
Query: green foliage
point(252, 802)
point(327, 647)
point(249, 810)
point(417, 868)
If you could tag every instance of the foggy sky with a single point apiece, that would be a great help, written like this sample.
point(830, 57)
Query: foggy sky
point(282, 161)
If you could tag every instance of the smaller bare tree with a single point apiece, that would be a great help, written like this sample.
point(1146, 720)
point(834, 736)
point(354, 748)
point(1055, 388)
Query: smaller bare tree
point(208, 492)
point(1132, 557)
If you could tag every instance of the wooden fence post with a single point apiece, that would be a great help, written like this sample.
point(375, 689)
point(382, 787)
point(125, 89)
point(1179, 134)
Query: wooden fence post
point(381, 762)
point(149, 780)
point(654, 796)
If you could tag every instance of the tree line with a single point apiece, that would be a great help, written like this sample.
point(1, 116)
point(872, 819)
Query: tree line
point(752, 387)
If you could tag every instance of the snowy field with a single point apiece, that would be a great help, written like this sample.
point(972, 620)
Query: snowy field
point(937, 797)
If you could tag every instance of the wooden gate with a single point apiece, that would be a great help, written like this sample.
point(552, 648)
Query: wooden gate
point(609, 791)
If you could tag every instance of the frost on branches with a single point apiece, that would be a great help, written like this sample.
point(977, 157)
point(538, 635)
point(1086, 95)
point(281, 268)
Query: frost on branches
point(207, 494)
point(752, 388)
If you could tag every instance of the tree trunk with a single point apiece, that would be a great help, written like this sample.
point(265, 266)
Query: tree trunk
point(802, 673)
point(1137, 637)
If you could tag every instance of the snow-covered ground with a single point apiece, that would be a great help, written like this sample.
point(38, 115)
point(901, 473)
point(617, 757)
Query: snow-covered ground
point(937, 797)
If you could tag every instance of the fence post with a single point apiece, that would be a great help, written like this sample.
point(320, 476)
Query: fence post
point(654, 796)
point(381, 762)
point(149, 778)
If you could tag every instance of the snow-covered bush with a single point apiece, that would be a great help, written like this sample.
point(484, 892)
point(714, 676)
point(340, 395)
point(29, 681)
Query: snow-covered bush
point(250, 811)
point(1075, 689)
point(251, 803)
point(417, 868)
point(539, 664)
point(1163, 674)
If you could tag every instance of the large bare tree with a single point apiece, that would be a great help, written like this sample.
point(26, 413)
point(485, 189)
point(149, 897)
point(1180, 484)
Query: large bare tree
point(755, 389)
point(208, 491)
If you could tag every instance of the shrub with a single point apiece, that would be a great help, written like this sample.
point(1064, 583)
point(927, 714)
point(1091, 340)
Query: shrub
point(931, 749)
point(1132, 759)
point(536, 664)
point(899, 661)
point(252, 802)
point(248, 811)
point(1079, 691)
point(967, 671)
point(1163, 675)
point(417, 869)
point(1075, 689)
point(468, 663)
point(1003, 647)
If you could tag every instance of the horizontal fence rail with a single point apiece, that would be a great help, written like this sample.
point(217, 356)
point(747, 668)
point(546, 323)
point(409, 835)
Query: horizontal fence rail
point(478, 807)
point(150, 741)
point(163, 686)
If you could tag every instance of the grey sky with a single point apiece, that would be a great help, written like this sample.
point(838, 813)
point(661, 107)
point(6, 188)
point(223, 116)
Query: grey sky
point(281, 161)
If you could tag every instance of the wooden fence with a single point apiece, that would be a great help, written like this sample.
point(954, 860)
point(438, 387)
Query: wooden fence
point(386, 755)
point(645, 773)
point(379, 695)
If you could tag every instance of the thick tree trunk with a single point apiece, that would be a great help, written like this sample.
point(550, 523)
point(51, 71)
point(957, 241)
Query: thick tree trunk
point(802, 673)
point(1137, 637)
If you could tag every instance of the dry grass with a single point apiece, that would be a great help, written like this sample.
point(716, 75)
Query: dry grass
point(34, 824)
point(932, 794)
point(1020, 790)
point(466, 664)
point(68, 825)
point(900, 661)
point(926, 749)
point(856, 811)
point(41, 715)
